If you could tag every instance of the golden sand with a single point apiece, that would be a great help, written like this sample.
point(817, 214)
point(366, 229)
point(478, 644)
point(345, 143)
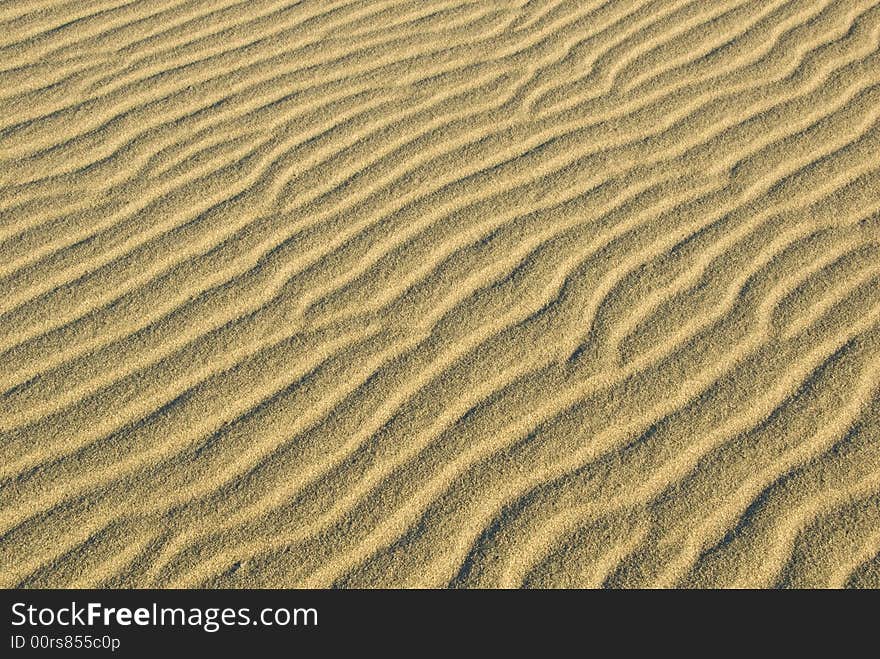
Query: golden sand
point(440, 293)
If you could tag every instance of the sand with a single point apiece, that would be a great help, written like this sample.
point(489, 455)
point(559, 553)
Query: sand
point(430, 293)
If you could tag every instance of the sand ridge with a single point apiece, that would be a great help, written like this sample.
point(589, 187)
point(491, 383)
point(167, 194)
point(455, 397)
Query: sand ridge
point(464, 293)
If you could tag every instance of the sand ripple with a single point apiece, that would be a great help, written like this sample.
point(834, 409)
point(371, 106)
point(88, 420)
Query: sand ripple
point(465, 293)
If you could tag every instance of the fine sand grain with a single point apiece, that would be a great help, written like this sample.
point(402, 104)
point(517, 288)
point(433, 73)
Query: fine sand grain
point(466, 293)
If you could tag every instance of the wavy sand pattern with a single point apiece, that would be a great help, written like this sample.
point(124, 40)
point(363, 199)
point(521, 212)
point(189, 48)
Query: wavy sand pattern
point(440, 293)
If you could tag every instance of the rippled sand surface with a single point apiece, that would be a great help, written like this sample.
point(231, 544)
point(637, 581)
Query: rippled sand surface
point(440, 293)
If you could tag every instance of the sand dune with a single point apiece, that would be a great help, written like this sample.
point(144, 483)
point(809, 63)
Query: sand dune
point(465, 293)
